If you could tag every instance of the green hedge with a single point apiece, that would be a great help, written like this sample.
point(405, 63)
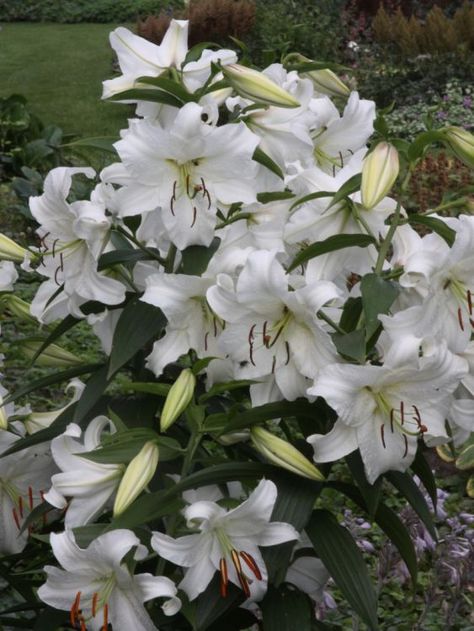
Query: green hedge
point(71, 11)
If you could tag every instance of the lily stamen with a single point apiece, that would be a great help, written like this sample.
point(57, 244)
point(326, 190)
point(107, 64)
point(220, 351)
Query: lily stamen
point(194, 216)
point(106, 617)
point(224, 577)
point(250, 561)
point(75, 609)
point(30, 497)
point(382, 435)
point(20, 506)
point(460, 320)
point(469, 301)
point(406, 446)
point(15, 518)
point(241, 576)
point(94, 604)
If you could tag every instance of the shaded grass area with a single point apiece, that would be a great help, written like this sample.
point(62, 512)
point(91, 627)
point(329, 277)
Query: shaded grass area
point(60, 69)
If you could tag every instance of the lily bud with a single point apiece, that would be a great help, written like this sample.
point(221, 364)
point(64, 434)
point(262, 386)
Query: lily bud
point(53, 355)
point(254, 85)
point(379, 172)
point(136, 477)
point(178, 398)
point(17, 307)
point(283, 454)
point(327, 82)
point(461, 142)
point(11, 251)
point(3, 415)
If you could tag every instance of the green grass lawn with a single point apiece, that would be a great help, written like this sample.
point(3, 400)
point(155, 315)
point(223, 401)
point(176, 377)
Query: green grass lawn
point(60, 69)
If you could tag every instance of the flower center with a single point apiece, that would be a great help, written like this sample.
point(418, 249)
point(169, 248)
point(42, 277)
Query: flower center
point(190, 185)
point(398, 418)
point(462, 295)
point(270, 335)
point(98, 601)
point(228, 551)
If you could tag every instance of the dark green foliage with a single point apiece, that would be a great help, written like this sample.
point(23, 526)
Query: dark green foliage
point(71, 11)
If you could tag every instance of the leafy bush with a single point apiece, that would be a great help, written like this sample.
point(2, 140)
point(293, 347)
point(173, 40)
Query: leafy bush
point(82, 10)
point(209, 20)
point(435, 34)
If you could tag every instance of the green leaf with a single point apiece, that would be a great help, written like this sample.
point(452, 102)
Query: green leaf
point(338, 551)
point(104, 143)
point(421, 142)
point(370, 492)
point(57, 377)
point(210, 605)
point(169, 86)
point(222, 422)
point(84, 535)
point(352, 185)
point(145, 94)
point(195, 258)
point(436, 225)
point(267, 198)
point(350, 345)
point(124, 256)
point(351, 314)
point(122, 446)
point(196, 51)
point(310, 197)
point(377, 297)
point(423, 470)
point(294, 505)
point(228, 386)
point(160, 389)
point(390, 523)
point(264, 159)
point(336, 242)
point(65, 325)
point(286, 609)
point(138, 325)
point(405, 484)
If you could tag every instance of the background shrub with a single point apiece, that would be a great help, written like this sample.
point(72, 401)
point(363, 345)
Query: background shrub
point(82, 10)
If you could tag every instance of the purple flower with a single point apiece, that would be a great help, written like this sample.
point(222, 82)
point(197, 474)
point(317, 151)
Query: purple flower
point(467, 102)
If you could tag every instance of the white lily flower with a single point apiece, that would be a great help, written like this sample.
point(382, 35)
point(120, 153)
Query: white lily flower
point(97, 587)
point(284, 131)
point(90, 485)
point(444, 278)
point(337, 137)
point(228, 541)
point(73, 236)
point(271, 329)
point(8, 275)
point(138, 57)
point(23, 478)
point(383, 410)
point(35, 421)
point(187, 170)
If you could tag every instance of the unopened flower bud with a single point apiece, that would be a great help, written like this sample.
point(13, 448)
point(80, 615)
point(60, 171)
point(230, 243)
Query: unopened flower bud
point(11, 251)
point(139, 472)
point(3, 415)
point(283, 454)
point(53, 355)
point(379, 172)
point(17, 307)
point(461, 142)
point(327, 82)
point(178, 398)
point(254, 85)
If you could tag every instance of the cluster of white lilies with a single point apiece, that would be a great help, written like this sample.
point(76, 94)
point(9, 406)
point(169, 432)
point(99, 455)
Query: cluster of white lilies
point(249, 165)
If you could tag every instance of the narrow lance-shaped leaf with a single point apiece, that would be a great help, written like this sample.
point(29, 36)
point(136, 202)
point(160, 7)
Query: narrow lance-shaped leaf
point(336, 242)
point(338, 551)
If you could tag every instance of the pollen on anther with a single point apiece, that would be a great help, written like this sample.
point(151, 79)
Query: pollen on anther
point(106, 617)
point(224, 577)
point(382, 435)
point(460, 320)
point(94, 603)
point(250, 561)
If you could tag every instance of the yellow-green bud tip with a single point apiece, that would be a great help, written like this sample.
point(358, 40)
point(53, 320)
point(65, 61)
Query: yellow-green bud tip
point(179, 397)
point(379, 172)
point(137, 475)
point(283, 454)
point(254, 85)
